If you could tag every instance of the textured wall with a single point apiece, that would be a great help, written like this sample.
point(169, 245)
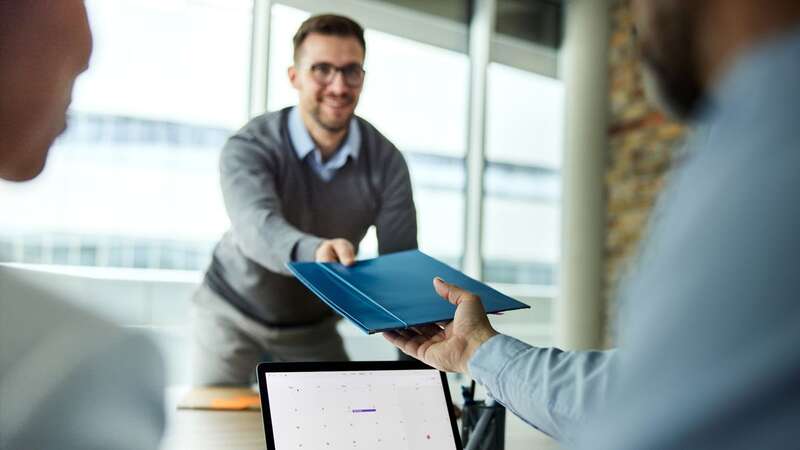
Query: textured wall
point(641, 144)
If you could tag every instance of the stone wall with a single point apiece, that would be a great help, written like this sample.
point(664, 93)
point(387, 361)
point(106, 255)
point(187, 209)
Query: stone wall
point(641, 144)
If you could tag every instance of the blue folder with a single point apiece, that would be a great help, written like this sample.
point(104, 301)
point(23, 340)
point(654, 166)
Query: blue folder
point(393, 291)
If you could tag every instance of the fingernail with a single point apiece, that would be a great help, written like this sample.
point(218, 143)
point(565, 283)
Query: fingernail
point(438, 279)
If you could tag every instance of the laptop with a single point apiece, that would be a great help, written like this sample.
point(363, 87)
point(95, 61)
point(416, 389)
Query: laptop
point(390, 405)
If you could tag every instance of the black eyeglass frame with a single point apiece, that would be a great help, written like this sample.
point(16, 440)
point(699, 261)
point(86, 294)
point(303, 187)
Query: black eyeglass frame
point(324, 73)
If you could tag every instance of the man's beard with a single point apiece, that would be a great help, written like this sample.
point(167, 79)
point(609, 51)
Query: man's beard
point(330, 125)
point(670, 71)
point(675, 90)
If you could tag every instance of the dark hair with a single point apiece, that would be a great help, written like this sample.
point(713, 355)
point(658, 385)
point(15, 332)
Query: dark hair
point(330, 25)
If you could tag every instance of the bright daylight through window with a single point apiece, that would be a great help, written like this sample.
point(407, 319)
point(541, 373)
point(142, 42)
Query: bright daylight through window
point(134, 183)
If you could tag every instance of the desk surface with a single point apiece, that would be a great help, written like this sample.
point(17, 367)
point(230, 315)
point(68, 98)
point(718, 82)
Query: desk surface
point(201, 430)
point(242, 430)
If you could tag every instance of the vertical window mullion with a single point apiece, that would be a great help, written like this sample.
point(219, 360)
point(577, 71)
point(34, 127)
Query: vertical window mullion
point(480, 37)
point(259, 57)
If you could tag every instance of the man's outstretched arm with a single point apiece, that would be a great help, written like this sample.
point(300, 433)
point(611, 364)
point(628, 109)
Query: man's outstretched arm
point(548, 388)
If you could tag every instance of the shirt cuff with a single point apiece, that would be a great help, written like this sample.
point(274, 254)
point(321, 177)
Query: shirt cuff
point(491, 357)
point(306, 248)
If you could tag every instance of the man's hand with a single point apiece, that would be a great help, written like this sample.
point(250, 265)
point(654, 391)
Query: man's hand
point(336, 250)
point(451, 347)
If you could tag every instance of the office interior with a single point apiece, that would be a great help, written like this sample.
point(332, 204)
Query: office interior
point(534, 157)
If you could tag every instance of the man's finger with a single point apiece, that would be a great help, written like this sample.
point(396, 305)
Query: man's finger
point(406, 333)
point(344, 252)
point(451, 292)
point(409, 346)
point(417, 345)
point(394, 338)
point(428, 330)
point(326, 254)
point(403, 343)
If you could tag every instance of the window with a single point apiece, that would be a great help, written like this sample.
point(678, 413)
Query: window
point(456, 10)
point(521, 181)
point(132, 183)
point(535, 21)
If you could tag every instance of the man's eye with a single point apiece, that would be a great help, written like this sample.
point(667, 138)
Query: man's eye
point(323, 69)
point(351, 70)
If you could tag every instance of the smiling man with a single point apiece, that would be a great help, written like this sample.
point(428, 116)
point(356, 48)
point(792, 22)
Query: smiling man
point(301, 184)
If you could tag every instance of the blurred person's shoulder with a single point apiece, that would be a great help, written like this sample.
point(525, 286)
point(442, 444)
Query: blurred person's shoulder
point(757, 103)
point(37, 315)
point(62, 368)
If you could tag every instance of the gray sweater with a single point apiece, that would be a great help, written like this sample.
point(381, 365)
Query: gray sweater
point(280, 211)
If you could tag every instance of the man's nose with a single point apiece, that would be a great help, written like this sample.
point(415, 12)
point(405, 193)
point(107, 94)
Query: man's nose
point(338, 85)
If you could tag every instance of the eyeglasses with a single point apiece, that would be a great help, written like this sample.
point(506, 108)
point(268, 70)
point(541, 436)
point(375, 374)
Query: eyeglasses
point(324, 73)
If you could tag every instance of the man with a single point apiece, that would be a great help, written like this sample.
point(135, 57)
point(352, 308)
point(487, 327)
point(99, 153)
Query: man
point(708, 335)
point(67, 380)
point(301, 184)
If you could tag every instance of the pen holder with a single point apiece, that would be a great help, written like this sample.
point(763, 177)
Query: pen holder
point(483, 425)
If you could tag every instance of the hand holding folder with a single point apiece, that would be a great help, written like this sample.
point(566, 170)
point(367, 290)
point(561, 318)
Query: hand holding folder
point(393, 291)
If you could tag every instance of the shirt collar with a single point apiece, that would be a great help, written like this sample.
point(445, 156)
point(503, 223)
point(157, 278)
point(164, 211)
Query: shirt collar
point(304, 144)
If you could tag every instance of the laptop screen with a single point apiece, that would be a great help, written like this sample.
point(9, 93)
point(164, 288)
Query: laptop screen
point(360, 408)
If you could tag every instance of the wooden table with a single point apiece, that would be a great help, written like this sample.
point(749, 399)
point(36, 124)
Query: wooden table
point(201, 430)
point(198, 429)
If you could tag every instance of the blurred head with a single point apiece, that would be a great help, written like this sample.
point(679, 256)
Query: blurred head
point(667, 37)
point(328, 69)
point(44, 46)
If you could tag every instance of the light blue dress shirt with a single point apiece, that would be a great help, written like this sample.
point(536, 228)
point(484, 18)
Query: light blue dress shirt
point(304, 146)
point(709, 332)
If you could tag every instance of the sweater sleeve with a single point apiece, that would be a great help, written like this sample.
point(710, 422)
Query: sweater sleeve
point(548, 388)
point(396, 222)
point(248, 176)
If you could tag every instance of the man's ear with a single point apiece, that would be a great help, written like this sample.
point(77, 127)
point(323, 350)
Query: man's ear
point(293, 76)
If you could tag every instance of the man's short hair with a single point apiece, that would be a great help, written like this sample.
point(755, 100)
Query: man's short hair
point(329, 25)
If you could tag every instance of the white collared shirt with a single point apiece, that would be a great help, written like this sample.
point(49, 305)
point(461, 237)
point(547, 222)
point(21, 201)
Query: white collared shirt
point(304, 144)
